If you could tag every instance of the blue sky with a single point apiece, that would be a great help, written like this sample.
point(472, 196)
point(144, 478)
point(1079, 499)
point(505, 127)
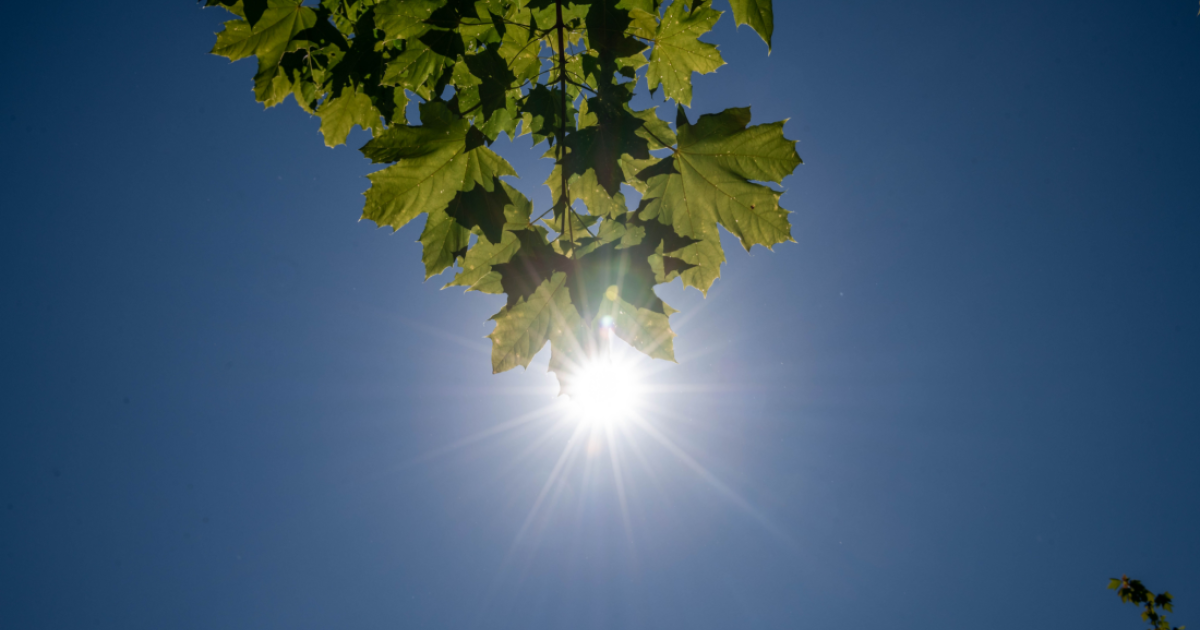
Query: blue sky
point(966, 396)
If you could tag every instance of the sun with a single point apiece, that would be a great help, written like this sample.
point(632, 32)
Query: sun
point(604, 390)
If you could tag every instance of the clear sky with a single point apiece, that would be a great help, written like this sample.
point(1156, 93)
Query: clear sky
point(965, 397)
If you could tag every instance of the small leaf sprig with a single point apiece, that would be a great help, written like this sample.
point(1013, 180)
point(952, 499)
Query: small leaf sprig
point(1134, 592)
point(565, 73)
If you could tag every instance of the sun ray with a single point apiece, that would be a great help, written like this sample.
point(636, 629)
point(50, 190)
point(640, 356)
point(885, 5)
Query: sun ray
point(618, 479)
point(559, 466)
point(501, 428)
point(550, 434)
point(714, 482)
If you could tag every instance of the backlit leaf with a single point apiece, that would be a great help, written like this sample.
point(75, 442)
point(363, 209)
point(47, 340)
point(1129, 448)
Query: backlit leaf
point(340, 114)
point(523, 328)
point(434, 162)
point(678, 53)
point(444, 241)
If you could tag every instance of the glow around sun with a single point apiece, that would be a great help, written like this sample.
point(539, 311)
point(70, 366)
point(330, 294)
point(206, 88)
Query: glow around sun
point(605, 390)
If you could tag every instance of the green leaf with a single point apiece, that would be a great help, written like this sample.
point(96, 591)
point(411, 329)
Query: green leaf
point(445, 240)
point(483, 209)
point(532, 264)
point(477, 273)
point(423, 61)
point(643, 20)
point(520, 51)
point(710, 181)
point(254, 10)
point(611, 265)
point(542, 114)
point(434, 162)
point(654, 130)
point(588, 188)
point(715, 164)
point(233, 6)
point(523, 328)
point(611, 280)
point(678, 53)
point(757, 14)
point(494, 80)
point(599, 147)
point(269, 37)
point(578, 230)
point(706, 254)
point(404, 19)
point(645, 330)
point(340, 114)
point(607, 23)
point(277, 23)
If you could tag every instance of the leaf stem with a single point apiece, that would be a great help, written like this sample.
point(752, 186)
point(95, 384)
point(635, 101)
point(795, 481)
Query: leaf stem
point(583, 87)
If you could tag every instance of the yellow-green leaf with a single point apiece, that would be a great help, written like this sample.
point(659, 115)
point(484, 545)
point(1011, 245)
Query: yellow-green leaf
point(341, 113)
point(523, 329)
point(434, 162)
point(444, 240)
point(678, 53)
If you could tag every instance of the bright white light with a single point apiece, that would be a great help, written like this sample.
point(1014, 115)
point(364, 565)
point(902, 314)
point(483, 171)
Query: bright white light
point(604, 391)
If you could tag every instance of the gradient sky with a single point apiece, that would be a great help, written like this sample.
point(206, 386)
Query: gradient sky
point(965, 397)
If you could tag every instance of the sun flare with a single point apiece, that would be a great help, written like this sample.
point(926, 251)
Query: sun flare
point(604, 391)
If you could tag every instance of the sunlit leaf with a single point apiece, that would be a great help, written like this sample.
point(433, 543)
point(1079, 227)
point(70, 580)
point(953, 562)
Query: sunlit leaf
point(678, 53)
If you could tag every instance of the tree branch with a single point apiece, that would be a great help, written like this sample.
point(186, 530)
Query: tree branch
point(562, 126)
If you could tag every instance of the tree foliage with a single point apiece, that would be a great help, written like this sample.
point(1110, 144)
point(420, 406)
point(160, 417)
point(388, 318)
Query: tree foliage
point(1134, 592)
point(565, 73)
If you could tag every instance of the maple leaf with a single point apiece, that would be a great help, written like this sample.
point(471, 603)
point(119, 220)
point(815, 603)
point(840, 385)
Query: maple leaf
point(361, 68)
point(678, 53)
point(599, 146)
point(541, 112)
point(339, 114)
point(587, 186)
point(487, 212)
point(612, 271)
point(404, 19)
point(423, 62)
point(532, 264)
point(483, 209)
point(433, 162)
point(523, 327)
point(611, 279)
point(445, 240)
point(709, 180)
point(644, 329)
point(607, 22)
point(267, 39)
point(476, 273)
point(520, 49)
point(492, 81)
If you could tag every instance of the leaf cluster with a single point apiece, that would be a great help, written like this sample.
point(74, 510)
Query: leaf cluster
point(565, 73)
point(1134, 592)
